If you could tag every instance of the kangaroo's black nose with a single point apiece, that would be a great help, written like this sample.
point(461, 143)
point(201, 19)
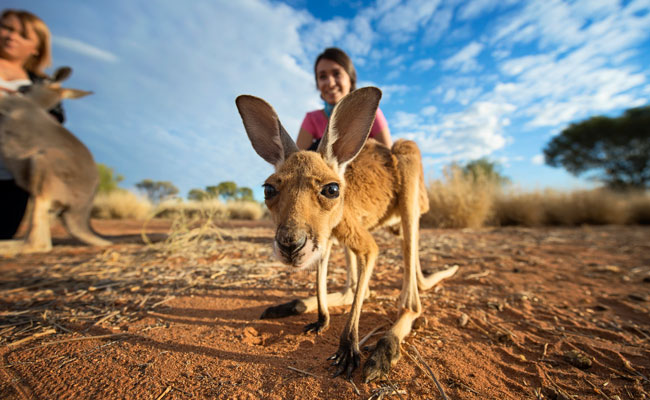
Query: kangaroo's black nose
point(289, 245)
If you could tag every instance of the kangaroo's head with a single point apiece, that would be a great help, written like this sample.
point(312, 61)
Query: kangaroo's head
point(49, 92)
point(306, 193)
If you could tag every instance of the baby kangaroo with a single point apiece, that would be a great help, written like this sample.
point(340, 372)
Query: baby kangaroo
point(49, 162)
point(347, 188)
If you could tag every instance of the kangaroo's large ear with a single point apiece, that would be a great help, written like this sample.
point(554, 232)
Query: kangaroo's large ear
point(267, 135)
point(349, 126)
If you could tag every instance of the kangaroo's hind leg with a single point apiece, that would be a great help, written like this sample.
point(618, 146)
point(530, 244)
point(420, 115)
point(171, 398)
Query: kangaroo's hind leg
point(387, 350)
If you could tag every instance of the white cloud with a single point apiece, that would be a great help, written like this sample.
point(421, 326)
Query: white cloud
point(429, 111)
point(465, 59)
point(475, 8)
point(439, 23)
point(424, 64)
point(402, 20)
point(404, 120)
point(84, 48)
point(538, 159)
point(470, 134)
point(585, 73)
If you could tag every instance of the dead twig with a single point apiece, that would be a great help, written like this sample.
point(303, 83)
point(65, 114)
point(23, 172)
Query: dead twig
point(597, 390)
point(372, 332)
point(392, 385)
point(82, 338)
point(163, 301)
point(169, 389)
point(32, 337)
point(478, 275)
point(433, 376)
point(303, 372)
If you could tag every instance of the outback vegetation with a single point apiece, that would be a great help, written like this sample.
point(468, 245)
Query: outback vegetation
point(157, 199)
point(615, 151)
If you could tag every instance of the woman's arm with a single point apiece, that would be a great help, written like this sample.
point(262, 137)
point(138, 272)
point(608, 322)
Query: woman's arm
point(304, 140)
point(384, 137)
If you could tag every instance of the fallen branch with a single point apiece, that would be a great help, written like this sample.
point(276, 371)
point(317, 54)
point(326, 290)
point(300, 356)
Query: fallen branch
point(34, 336)
point(433, 376)
point(303, 372)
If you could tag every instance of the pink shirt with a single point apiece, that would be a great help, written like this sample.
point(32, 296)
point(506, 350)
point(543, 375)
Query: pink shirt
point(315, 122)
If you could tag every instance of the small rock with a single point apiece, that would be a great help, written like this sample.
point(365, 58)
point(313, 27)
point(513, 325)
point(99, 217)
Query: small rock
point(495, 305)
point(463, 320)
point(578, 359)
point(637, 297)
point(607, 268)
point(420, 323)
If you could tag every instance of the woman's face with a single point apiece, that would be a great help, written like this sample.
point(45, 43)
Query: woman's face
point(333, 81)
point(16, 43)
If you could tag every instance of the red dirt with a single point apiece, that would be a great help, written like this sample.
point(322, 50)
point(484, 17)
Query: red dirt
point(186, 326)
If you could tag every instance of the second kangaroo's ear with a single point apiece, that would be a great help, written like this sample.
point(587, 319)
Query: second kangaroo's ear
point(267, 135)
point(73, 93)
point(349, 126)
point(61, 74)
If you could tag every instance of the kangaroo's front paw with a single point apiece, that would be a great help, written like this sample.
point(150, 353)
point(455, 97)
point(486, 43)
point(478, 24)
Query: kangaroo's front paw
point(384, 356)
point(294, 307)
point(11, 248)
point(346, 360)
point(317, 327)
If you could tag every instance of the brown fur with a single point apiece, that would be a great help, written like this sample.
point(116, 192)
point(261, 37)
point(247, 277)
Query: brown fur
point(377, 185)
point(49, 162)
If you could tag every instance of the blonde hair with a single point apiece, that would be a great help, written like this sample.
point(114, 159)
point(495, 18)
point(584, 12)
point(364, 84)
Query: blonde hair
point(43, 58)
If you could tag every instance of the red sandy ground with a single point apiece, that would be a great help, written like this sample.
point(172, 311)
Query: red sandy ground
point(531, 296)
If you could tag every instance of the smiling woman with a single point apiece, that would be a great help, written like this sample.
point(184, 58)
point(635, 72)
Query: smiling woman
point(335, 77)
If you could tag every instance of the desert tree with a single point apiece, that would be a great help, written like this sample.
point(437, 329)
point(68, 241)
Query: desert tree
point(614, 151)
point(227, 190)
point(245, 193)
point(108, 179)
point(157, 190)
point(483, 168)
point(198, 195)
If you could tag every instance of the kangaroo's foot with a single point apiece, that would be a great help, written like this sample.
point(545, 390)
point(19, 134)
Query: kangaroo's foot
point(384, 356)
point(294, 307)
point(317, 327)
point(346, 359)
point(11, 247)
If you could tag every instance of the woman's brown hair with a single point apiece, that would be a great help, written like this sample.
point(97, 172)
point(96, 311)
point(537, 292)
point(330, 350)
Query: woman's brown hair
point(338, 56)
point(36, 64)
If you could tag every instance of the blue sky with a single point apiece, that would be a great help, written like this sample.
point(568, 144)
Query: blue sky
point(464, 79)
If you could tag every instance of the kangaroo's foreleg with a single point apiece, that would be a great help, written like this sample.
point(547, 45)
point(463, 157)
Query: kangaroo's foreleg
point(309, 304)
point(321, 294)
point(347, 358)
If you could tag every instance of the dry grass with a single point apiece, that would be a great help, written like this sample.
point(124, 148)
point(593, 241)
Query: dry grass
point(639, 208)
point(213, 208)
point(458, 201)
point(249, 210)
point(121, 204)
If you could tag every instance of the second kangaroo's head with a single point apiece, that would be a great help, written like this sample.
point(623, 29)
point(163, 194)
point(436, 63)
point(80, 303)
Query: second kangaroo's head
point(49, 92)
point(306, 193)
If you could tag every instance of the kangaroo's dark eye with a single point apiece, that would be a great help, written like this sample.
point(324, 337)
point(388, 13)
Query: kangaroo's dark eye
point(269, 191)
point(331, 190)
